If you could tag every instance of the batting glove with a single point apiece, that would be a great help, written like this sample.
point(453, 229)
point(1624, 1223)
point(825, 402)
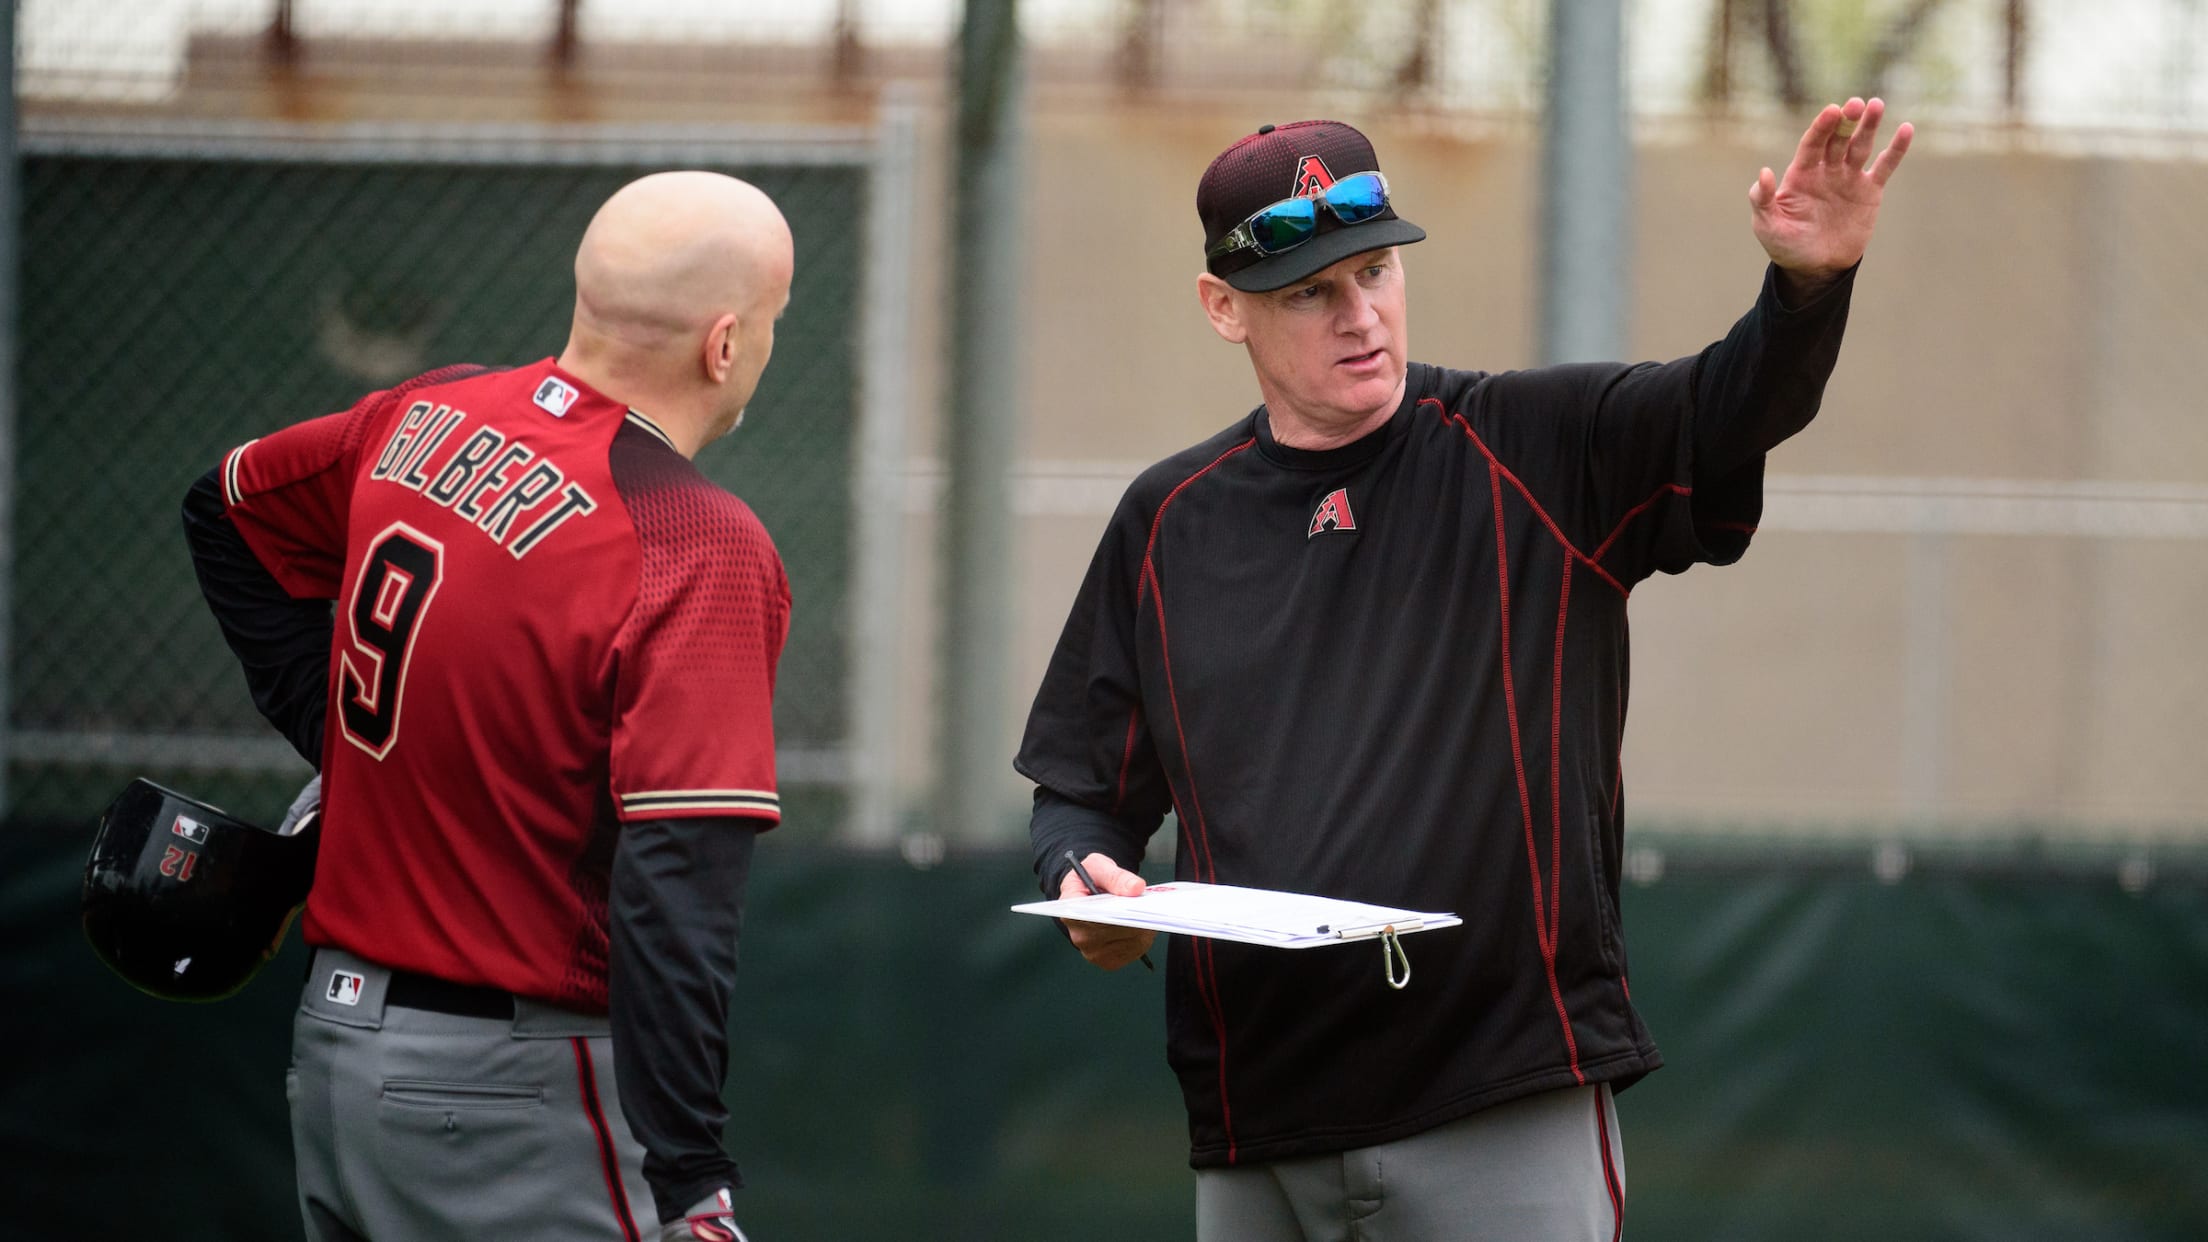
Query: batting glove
point(303, 808)
point(711, 1219)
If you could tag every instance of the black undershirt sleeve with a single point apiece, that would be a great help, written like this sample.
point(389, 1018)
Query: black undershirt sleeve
point(283, 644)
point(1766, 379)
point(1658, 466)
point(677, 912)
point(1060, 824)
point(1100, 788)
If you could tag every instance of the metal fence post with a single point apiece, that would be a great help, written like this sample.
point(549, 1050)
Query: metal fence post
point(979, 421)
point(878, 555)
point(1586, 186)
point(10, 228)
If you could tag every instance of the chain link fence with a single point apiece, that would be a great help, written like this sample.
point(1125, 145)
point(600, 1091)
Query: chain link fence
point(2065, 65)
point(190, 291)
point(1966, 615)
point(1915, 790)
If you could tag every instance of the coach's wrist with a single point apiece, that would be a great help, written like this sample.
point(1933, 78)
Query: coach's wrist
point(1799, 287)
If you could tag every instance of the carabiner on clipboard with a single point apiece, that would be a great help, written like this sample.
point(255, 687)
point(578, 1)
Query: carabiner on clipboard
point(1392, 954)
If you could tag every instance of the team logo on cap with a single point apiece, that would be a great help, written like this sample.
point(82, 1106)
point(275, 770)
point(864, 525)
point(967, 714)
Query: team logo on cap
point(1312, 177)
point(345, 987)
point(1333, 513)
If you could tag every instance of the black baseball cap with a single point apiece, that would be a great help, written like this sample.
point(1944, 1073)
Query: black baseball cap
point(1285, 161)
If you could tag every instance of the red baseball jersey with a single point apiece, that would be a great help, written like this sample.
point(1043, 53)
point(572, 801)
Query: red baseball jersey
point(548, 622)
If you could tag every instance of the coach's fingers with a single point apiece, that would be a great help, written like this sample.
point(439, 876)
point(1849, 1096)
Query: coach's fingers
point(1836, 145)
point(1890, 159)
point(1109, 946)
point(1115, 879)
point(1812, 148)
point(1865, 139)
point(1105, 944)
point(1762, 190)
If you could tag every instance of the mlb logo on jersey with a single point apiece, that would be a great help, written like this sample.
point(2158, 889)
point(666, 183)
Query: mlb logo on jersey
point(1332, 514)
point(555, 397)
point(190, 829)
point(345, 987)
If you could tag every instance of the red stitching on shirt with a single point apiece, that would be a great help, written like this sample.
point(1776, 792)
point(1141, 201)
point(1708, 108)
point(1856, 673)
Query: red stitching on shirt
point(1556, 764)
point(1206, 869)
point(1126, 756)
point(1609, 1175)
point(1617, 786)
point(1202, 956)
point(1637, 510)
point(1196, 961)
point(1496, 466)
point(1541, 934)
point(1158, 519)
point(1226, 1109)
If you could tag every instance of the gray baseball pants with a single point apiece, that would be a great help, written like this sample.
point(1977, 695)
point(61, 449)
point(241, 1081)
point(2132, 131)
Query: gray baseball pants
point(1548, 1167)
point(408, 1123)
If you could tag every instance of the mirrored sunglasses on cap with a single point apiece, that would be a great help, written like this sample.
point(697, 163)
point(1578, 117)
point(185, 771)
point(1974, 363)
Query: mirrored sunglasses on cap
point(1289, 223)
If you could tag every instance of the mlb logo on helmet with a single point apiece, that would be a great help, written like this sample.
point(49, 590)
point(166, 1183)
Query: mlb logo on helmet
point(345, 987)
point(554, 397)
point(190, 829)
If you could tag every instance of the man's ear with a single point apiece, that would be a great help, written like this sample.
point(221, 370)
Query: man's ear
point(720, 348)
point(1221, 308)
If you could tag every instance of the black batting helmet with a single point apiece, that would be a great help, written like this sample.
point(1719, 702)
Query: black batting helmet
point(184, 901)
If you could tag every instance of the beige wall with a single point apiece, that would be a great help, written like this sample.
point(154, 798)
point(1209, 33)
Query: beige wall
point(2021, 317)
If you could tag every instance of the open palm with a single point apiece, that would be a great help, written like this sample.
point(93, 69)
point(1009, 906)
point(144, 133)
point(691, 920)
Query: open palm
point(1817, 219)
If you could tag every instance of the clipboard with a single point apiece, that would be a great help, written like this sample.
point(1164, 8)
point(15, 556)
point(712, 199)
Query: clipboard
point(1270, 917)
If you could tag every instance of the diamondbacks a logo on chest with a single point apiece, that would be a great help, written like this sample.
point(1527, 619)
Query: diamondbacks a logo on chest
point(1332, 514)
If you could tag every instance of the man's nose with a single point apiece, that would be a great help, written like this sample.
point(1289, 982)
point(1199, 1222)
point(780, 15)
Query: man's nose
point(1358, 312)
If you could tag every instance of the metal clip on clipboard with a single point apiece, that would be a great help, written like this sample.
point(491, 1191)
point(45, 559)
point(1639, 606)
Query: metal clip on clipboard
point(1391, 945)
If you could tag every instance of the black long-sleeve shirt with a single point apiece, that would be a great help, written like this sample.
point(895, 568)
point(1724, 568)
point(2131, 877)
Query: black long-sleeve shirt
point(676, 885)
point(1395, 671)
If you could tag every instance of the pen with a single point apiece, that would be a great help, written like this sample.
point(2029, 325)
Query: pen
point(1095, 888)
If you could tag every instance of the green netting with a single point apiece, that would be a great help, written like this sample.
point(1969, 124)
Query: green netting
point(1953, 1056)
point(175, 307)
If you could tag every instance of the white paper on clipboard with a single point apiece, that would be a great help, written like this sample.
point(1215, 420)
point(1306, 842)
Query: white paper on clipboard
point(1265, 916)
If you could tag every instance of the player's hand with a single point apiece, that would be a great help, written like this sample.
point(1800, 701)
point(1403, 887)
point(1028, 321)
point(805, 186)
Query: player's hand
point(711, 1219)
point(1816, 221)
point(1106, 945)
point(304, 808)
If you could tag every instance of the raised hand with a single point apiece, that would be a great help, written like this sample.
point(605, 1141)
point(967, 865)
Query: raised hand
point(1816, 221)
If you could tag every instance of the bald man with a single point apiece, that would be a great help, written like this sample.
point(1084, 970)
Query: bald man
point(541, 714)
